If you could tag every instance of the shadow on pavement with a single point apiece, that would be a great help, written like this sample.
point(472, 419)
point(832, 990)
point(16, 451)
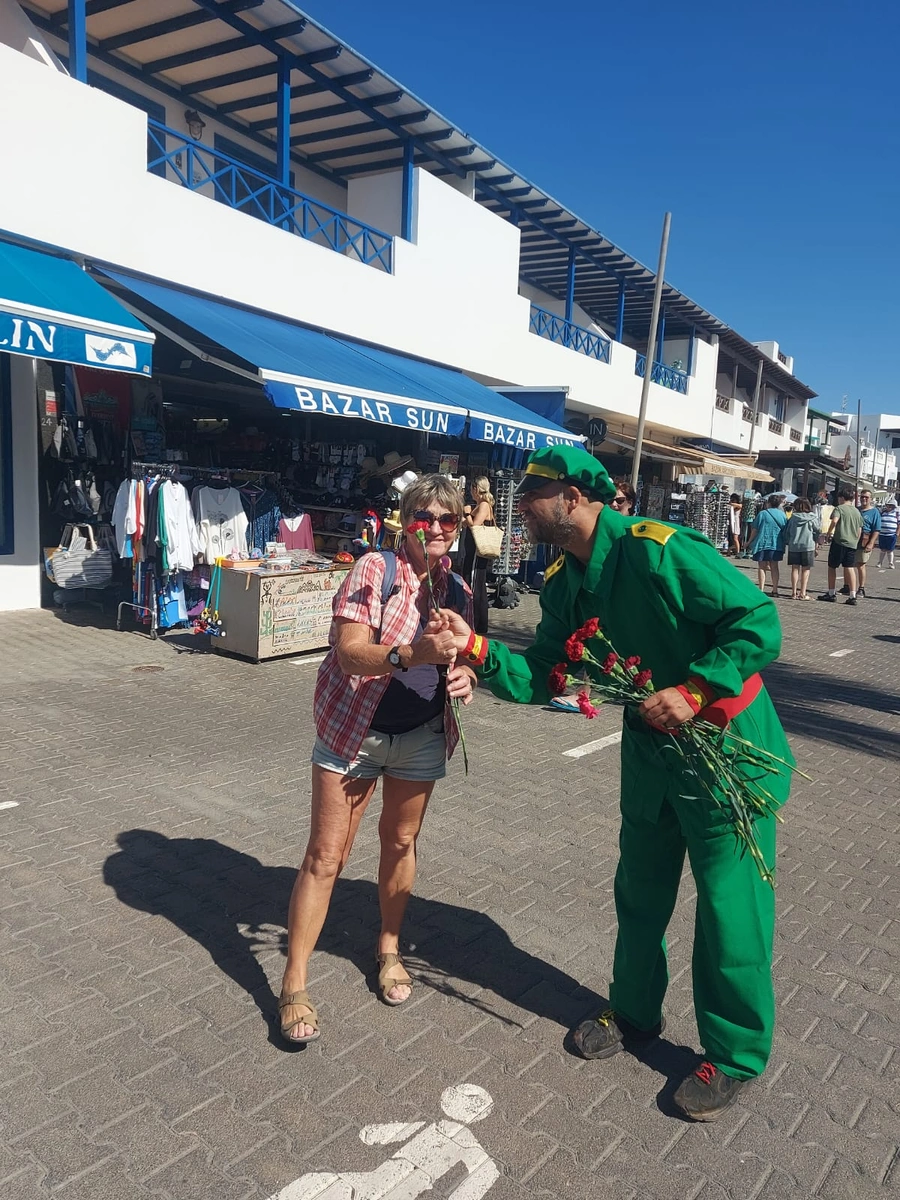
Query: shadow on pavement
point(228, 902)
point(814, 705)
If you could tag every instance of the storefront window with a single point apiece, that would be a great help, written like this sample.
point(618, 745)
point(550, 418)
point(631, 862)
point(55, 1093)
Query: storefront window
point(6, 460)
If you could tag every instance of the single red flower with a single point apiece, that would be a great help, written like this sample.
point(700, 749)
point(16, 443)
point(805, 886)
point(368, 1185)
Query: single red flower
point(557, 682)
point(633, 661)
point(611, 659)
point(417, 527)
point(574, 648)
point(643, 678)
point(584, 704)
point(589, 629)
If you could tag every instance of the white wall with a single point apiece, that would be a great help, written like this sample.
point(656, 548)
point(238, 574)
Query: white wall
point(20, 576)
point(378, 200)
point(18, 32)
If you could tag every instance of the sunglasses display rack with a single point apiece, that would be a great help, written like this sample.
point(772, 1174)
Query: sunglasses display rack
point(516, 546)
point(709, 513)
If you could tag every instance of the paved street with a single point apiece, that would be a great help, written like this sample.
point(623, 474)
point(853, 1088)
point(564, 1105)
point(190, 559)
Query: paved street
point(153, 805)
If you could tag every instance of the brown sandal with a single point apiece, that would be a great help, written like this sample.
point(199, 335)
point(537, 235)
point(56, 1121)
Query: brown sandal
point(385, 982)
point(301, 999)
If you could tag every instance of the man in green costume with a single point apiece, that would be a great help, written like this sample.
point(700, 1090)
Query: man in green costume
point(662, 592)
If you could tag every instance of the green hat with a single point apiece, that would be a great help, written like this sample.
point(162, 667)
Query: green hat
point(570, 463)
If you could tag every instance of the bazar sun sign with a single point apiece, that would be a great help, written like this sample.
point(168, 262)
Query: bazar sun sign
point(67, 343)
point(370, 406)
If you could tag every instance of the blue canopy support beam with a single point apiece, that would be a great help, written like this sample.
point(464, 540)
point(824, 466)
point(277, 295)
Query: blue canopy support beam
point(409, 178)
point(78, 40)
point(570, 284)
point(283, 126)
point(661, 336)
point(620, 311)
point(690, 357)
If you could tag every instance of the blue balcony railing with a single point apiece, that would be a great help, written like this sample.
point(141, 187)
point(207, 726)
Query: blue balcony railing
point(226, 179)
point(665, 376)
point(558, 329)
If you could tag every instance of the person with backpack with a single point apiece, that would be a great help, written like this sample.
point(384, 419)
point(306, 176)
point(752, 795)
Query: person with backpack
point(382, 709)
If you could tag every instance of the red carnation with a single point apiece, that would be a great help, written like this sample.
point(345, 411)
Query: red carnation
point(589, 629)
point(584, 703)
point(633, 661)
point(643, 678)
point(611, 659)
point(574, 648)
point(557, 681)
point(417, 527)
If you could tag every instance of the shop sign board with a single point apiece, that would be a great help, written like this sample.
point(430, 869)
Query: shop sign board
point(66, 343)
point(504, 433)
point(379, 407)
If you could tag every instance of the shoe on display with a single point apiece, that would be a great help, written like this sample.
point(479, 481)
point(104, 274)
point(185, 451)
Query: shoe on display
point(828, 597)
point(707, 1093)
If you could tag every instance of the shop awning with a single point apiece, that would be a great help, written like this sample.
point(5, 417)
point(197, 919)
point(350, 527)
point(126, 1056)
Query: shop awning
point(50, 308)
point(693, 461)
point(312, 371)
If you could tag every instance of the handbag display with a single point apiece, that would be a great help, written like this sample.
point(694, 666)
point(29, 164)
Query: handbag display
point(488, 540)
point(78, 562)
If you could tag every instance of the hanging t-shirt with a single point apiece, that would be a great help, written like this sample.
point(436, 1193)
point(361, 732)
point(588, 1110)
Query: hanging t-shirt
point(296, 532)
point(221, 522)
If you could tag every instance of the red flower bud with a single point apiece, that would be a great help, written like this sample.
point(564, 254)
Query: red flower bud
point(584, 704)
point(574, 648)
point(611, 659)
point(633, 661)
point(556, 683)
point(643, 678)
point(589, 629)
point(417, 527)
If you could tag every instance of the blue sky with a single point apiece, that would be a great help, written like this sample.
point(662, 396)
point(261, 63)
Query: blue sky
point(770, 130)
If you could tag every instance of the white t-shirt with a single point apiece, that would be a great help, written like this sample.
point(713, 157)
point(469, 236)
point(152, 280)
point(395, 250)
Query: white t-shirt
point(221, 522)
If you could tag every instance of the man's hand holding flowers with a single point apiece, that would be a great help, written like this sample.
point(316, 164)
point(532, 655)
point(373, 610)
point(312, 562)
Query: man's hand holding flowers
point(666, 709)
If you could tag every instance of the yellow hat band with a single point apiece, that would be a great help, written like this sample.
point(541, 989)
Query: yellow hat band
point(544, 472)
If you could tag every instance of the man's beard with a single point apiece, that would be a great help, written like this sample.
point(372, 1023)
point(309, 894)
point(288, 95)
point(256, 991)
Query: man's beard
point(556, 530)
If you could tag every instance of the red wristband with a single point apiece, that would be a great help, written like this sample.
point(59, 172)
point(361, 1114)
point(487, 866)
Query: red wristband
point(469, 644)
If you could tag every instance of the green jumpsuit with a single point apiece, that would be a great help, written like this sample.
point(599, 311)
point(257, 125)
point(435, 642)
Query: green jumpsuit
point(664, 593)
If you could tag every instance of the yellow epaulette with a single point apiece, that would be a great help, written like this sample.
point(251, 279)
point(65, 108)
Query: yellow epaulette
point(554, 567)
point(654, 530)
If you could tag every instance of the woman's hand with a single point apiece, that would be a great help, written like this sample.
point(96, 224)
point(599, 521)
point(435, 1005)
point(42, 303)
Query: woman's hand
point(460, 682)
point(460, 630)
point(436, 646)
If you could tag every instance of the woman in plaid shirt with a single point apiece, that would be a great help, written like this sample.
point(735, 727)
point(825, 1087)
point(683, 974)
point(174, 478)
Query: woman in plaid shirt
point(382, 708)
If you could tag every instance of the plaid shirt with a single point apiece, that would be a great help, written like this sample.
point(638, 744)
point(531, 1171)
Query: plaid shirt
point(344, 705)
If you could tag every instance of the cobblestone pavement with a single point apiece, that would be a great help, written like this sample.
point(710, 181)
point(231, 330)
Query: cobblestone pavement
point(154, 807)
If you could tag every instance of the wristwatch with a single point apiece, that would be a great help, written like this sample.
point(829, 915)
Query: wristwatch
point(395, 660)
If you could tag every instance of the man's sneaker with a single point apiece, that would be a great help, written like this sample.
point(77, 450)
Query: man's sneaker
point(845, 590)
point(706, 1093)
point(828, 597)
point(850, 600)
point(604, 1036)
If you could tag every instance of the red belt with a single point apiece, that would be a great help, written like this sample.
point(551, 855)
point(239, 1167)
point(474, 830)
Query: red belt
point(720, 712)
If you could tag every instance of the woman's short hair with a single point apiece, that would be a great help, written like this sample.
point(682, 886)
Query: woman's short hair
point(624, 486)
point(425, 491)
point(801, 504)
point(481, 489)
point(735, 498)
point(774, 501)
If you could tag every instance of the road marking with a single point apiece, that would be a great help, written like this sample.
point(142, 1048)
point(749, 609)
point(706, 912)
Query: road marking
point(590, 747)
point(9, 804)
point(839, 653)
point(302, 662)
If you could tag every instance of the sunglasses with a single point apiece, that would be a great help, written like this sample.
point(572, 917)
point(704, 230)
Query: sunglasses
point(619, 500)
point(447, 521)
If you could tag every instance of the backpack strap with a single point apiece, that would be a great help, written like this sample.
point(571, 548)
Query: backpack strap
point(387, 583)
point(456, 593)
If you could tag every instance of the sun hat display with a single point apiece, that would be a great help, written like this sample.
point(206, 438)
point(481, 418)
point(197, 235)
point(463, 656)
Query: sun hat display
point(402, 482)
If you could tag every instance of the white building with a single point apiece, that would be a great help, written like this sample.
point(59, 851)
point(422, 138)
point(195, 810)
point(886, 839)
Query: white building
point(243, 153)
point(878, 440)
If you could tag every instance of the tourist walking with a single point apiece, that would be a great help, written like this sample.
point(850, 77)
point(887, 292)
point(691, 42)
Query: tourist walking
point(664, 593)
point(868, 539)
point(767, 541)
point(845, 531)
point(887, 539)
point(475, 568)
point(801, 536)
point(734, 524)
point(382, 709)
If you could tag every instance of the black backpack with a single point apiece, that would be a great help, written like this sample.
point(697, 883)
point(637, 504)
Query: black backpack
point(507, 594)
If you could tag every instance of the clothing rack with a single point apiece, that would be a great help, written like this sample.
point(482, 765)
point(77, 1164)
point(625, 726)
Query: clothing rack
point(204, 472)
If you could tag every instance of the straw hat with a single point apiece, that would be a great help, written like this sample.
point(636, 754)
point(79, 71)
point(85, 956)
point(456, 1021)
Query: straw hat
point(393, 463)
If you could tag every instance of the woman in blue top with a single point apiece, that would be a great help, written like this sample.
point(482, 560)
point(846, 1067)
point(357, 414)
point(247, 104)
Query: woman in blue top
point(767, 541)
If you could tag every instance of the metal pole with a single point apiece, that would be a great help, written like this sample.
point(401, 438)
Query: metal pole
point(858, 437)
point(756, 391)
point(406, 206)
point(570, 286)
point(283, 121)
point(651, 344)
point(78, 40)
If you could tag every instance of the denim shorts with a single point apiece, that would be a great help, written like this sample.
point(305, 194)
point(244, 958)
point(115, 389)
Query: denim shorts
point(420, 754)
point(768, 556)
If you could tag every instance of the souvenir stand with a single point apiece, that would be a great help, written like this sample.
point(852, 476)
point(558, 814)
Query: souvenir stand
point(516, 546)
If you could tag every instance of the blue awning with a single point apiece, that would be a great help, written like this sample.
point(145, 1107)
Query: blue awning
point(308, 370)
point(49, 308)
